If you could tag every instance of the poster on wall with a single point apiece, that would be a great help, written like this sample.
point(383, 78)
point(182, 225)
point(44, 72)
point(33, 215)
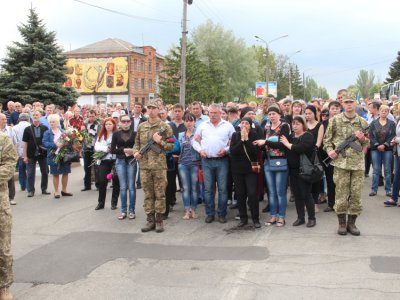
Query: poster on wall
point(97, 75)
point(261, 89)
point(273, 88)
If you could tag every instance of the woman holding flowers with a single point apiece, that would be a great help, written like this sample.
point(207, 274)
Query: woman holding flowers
point(51, 140)
point(106, 160)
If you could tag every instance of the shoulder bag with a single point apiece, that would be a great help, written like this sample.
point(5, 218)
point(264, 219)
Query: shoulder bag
point(310, 171)
point(255, 166)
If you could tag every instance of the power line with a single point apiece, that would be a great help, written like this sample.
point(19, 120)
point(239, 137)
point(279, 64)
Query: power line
point(125, 14)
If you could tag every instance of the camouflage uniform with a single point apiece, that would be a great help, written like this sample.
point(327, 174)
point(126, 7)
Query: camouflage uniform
point(8, 159)
point(153, 166)
point(348, 170)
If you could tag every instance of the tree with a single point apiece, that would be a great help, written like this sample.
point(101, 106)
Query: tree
point(34, 69)
point(236, 63)
point(198, 77)
point(394, 70)
point(365, 81)
point(315, 91)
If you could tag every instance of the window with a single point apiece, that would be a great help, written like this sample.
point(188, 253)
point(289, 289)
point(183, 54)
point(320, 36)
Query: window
point(150, 84)
point(142, 65)
point(143, 100)
point(142, 83)
point(136, 99)
point(157, 67)
point(136, 84)
point(150, 66)
point(135, 65)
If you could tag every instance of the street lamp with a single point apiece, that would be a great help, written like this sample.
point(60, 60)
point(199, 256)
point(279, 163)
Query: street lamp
point(267, 54)
point(290, 74)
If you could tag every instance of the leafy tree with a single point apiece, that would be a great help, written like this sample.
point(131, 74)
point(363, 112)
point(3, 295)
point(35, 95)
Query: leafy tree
point(315, 91)
point(365, 81)
point(198, 77)
point(394, 70)
point(237, 66)
point(34, 69)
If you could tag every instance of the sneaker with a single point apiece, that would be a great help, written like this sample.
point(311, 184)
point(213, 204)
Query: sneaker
point(131, 216)
point(229, 201)
point(237, 217)
point(13, 202)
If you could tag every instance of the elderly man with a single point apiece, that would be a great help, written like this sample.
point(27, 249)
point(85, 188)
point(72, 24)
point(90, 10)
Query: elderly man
point(9, 111)
point(197, 110)
point(48, 111)
point(212, 140)
point(19, 131)
point(11, 134)
point(8, 159)
point(15, 115)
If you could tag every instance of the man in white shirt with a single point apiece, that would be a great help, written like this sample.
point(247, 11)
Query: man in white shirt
point(19, 131)
point(212, 140)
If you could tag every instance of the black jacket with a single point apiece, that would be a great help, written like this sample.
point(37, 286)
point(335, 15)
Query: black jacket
point(118, 144)
point(303, 144)
point(374, 134)
point(239, 161)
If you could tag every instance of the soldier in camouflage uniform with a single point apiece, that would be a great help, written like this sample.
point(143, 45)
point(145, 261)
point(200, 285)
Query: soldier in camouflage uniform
point(348, 168)
point(153, 166)
point(8, 159)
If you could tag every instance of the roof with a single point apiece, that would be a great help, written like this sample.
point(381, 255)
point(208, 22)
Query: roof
point(110, 45)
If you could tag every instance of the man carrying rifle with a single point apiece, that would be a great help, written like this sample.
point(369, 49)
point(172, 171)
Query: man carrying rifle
point(153, 164)
point(348, 164)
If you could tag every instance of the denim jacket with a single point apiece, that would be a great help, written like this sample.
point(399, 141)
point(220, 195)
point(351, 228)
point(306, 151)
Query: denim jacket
point(182, 141)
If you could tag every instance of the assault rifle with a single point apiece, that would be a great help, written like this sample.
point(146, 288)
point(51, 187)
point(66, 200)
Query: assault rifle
point(349, 142)
point(150, 145)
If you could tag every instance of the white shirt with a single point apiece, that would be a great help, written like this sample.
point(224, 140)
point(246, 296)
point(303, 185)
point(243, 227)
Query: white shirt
point(19, 132)
point(102, 146)
point(213, 138)
point(11, 134)
point(136, 121)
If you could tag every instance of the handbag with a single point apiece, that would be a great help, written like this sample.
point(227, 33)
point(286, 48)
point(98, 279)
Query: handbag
point(277, 164)
point(255, 166)
point(70, 157)
point(310, 171)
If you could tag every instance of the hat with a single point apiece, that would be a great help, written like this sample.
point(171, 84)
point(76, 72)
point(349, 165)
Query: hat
point(349, 97)
point(247, 119)
point(245, 110)
point(153, 103)
point(274, 109)
point(115, 114)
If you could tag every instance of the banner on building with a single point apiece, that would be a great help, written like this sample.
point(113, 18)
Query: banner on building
point(261, 89)
point(273, 88)
point(98, 75)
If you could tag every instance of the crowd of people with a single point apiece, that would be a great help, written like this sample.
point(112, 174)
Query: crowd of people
point(236, 153)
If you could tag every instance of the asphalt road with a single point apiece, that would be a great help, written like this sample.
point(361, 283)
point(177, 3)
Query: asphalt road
point(64, 249)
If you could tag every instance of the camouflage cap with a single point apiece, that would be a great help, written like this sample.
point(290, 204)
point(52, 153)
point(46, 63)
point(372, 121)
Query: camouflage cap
point(349, 97)
point(153, 103)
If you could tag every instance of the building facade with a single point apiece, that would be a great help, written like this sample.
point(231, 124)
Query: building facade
point(114, 71)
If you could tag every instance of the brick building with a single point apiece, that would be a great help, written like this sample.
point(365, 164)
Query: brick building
point(113, 71)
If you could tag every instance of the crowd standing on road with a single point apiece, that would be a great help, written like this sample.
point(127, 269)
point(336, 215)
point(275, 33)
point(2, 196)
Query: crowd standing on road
point(224, 156)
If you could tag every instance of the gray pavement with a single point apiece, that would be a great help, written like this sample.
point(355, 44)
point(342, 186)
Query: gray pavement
point(63, 249)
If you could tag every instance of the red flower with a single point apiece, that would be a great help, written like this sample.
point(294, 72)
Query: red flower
point(73, 136)
point(171, 140)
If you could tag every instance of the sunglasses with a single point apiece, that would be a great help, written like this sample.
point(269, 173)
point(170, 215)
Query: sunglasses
point(125, 121)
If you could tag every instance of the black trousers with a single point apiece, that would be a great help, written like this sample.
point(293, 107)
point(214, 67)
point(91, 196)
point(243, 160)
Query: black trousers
point(31, 171)
point(87, 161)
point(330, 185)
point(170, 190)
point(105, 168)
point(245, 189)
point(368, 161)
point(302, 195)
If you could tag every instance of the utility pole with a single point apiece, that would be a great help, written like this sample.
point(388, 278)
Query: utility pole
point(182, 90)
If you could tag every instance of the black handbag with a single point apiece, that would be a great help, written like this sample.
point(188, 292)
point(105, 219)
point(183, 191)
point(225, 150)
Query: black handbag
point(70, 157)
point(311, 171)
point(40, 150)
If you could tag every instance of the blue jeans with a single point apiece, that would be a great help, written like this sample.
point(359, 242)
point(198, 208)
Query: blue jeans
point(396, 179)
point(22, 175)
point(379, 158)
point(215, 170)
point(189, 179)
point(126, 174)
point(277, 186)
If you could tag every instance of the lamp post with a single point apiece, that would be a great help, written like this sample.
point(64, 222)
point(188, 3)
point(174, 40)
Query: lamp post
point(290, 74)
point(267, 54)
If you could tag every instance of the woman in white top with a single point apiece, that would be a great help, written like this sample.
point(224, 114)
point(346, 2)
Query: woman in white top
point(106, 164)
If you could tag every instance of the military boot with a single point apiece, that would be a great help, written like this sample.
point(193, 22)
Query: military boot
point(351, 225)
point(151, 224)
point(342, 224)
point(159, 223)
point(5, 294)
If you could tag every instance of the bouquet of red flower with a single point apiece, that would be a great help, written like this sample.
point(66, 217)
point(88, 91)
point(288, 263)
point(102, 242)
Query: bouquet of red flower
point(71, 139)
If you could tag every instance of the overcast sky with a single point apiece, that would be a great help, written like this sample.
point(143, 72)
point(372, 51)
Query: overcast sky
point(336, 38)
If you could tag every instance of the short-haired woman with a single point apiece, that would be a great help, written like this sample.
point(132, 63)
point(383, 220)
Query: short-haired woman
point(50, 141)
